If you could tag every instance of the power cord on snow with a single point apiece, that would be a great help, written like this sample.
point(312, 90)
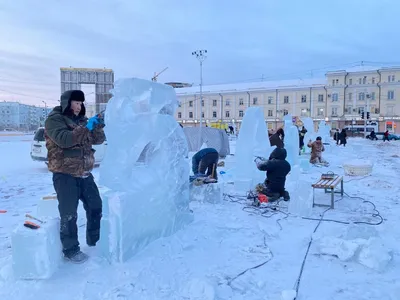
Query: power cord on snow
point(252, 268)
point(376, 214)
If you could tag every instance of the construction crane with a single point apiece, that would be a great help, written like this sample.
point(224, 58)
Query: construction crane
point(156, 75)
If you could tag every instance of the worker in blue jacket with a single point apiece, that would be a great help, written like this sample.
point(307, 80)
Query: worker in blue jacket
point(205, 163)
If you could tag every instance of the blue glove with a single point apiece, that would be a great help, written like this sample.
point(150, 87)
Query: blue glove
point(93, 121)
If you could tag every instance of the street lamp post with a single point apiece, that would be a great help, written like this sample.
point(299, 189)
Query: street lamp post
point(201, 56)
point(45, 109)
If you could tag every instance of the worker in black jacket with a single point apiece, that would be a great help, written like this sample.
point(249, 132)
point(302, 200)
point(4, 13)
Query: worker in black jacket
point(205, 162)
point(277, 169)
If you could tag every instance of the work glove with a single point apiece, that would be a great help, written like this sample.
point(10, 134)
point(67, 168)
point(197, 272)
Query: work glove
point(93, 121)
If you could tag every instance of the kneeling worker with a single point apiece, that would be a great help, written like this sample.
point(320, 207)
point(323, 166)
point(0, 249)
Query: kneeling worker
point(205, 163)
point(277, 168)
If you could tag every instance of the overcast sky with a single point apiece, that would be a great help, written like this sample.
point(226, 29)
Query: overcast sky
point(244, 39)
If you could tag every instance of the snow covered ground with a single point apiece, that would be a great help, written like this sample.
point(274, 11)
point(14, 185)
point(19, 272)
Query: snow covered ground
point(207, 260)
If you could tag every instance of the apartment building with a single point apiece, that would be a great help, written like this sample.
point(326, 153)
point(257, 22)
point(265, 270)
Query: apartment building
point(339, 98)
point(17, 116)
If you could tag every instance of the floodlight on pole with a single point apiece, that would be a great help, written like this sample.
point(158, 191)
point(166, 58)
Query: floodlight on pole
point(201, 56)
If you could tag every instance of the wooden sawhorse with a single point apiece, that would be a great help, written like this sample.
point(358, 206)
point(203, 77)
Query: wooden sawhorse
point(329, 186)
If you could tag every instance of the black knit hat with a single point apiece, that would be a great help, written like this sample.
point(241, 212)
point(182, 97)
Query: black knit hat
point(77, 95)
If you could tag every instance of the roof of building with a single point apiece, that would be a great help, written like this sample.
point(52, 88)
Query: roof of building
point(253, 86)
point(85, 69)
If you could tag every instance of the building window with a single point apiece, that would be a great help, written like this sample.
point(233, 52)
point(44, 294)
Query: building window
point(241, 102)
point(334, 111)
point(227, 114)
point(179, 104)
point(390, 95)
point(190, 103)
point(304, 112)
point(333, 82)
point(320, 98)
point(303, 98)
point(227, 103)
point(214, 102)
point(202, 102)
point(179, 115)
point(320, 112)
point(285, 112)
point(372, 109)
point(359, 80)
point(214, 114)
point(255, 100)
point(286, 99)
point(270, 99)
point(349, 110)
point(350, 96)
point(390, 110)
point(372, 96)
point(335, 97)
point(202, 114)
point(365, 80)
point(391, 78)
point(241, 114)
point(360, 109)
point(270, 113)
point(361, 96)
point(350, 81)
point(190, 115)
point(373, 80)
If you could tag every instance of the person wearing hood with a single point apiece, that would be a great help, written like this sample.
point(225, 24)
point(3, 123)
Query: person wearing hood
point(277, 139)
point(317, 147)
point(277, 168)
point(69, 139)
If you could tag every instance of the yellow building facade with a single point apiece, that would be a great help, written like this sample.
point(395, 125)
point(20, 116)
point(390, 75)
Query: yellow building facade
point(339, 99)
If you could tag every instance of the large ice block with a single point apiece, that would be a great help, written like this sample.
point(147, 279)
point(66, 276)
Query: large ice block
point(134, 220)
point(36, 254)
point(252, 141)
point(144, 167)
point(324, 132)
point(48, 206)
point(311, 134)
point(211, 193)
point(292, 144)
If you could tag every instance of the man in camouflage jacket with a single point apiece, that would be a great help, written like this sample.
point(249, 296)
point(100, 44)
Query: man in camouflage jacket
point(69, 139)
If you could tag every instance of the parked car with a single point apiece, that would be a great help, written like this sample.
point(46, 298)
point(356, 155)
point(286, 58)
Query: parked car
point(379, 136)
point(39, 150)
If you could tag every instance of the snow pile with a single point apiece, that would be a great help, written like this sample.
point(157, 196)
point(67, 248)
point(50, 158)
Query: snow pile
point(361, 244)
point(198, 289)
point(144, 167)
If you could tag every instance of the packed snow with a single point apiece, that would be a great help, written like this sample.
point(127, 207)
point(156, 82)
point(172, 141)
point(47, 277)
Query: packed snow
point(231, 250)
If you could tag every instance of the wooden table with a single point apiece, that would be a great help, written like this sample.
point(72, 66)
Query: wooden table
point(329, 186)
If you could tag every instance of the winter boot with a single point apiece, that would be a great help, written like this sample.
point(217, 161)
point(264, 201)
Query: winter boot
point(286, 196)
point(77, 258)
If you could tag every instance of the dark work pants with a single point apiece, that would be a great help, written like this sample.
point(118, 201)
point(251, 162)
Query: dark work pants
point(69, 191)
point(207, 163)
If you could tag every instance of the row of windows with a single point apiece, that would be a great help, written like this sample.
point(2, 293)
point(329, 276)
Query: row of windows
point(305, 112)
point(363, 80)
point(334, 97)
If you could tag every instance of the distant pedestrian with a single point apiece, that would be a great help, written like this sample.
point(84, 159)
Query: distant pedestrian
point(343, 137)
point(386, 136)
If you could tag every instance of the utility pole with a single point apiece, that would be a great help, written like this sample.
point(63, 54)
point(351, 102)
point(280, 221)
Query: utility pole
point(366, 110)
point(201, 56)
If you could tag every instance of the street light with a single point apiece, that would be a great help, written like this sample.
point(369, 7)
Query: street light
point(45, 108)
point(201, 56)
